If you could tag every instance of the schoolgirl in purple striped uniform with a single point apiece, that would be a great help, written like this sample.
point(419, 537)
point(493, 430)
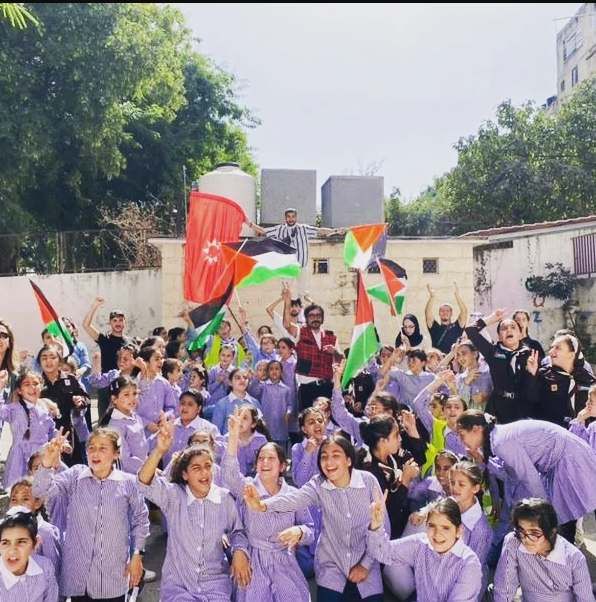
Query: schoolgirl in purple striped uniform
point(543, 458)
point(106, 519)
point(276, 405)
point(219, 380)
point(171, 370)
point(342, 565)
point(578, 425)
point(125, 357)
point(31, 425)
point(22, 500)
point(251, 438)
point(444, 567)
point(287, 357)
point(272, 537)
point(466, 483)
point(199, 515)
point(23, 575)
point(539, 561)
point(122, 418)
point(188, 422)
point(436, 486)
point(239, 378)
point(155, 394)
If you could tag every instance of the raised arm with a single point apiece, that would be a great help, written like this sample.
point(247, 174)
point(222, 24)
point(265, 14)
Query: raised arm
point(88, 325)
point(232, 477)
point(271, 307)
point(429, 309)
point(288, 325)
point(463, 309)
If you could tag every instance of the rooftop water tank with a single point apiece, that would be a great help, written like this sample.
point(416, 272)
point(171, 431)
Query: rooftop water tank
point(227, 179)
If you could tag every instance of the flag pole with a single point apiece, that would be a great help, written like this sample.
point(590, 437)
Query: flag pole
point(391, 300)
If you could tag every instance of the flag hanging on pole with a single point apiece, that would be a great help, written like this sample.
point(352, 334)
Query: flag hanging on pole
point(52, 322)
point(363, 244)
point(394, 286)
point(257, 261)
point(212, 220)
point(365, 340)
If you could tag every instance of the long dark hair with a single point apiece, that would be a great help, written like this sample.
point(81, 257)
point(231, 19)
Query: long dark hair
point(182, 462)
point(471, 418)
point(537, 510)
point(26, 520)
point(116, 386)
point(9, 361)
point(447, 507)
point(379, 427)
point(346, 446)
point(415, 338)
point(20, 379)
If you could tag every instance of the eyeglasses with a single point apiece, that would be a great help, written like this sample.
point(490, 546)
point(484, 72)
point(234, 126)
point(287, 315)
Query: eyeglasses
point(4, 335)
point(529, 535)
point(315, 315)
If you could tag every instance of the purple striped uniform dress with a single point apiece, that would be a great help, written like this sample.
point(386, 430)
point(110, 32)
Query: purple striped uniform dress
point(346, 517)
point(276, 407)
point(425, 491)
point(345, 421)
point(288, 376)
point(218, 390)
point(195, 568)
point(587, 433)
point(225, 406)
point(38, 584)
point(276, 576)
point(155, 396)
point(105, 519)
point(50, 543)
point(183, 433)
point(134, 447)
point(453, 576)
point(105, 379)
point(548, 462)
point(562, 576)
point(478, 536)
point(410, 384)
point(41, 429)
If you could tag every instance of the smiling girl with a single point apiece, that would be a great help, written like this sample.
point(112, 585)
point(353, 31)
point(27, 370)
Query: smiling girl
point(24, 576)
point(106, 519)
point(343, 568)
point(444, 567)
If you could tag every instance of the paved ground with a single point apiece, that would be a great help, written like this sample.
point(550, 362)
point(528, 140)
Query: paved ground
point(156, 544)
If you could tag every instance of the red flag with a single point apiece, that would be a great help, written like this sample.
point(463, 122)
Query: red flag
point(211, 220)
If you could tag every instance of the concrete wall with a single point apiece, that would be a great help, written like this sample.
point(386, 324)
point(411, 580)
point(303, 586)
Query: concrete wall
point(503, 264)
point(336, 291)
point(283, 188)
point(137, 292)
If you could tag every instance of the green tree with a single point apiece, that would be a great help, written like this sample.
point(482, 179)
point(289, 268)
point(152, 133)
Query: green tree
point(102, 106)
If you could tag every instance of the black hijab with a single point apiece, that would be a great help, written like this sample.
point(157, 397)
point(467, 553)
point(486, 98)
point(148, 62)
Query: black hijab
point(415, 338)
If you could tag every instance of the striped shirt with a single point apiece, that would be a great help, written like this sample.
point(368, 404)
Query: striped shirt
point(195, 566)
point(296, 236)
point(346, 517)
point(410, 384)
point(38, 584)
point(134, 447)
point(562, 576)
point(105, 520)
point(454, 575)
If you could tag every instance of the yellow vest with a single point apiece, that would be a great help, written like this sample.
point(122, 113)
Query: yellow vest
point(212, 357)
point(436, 444)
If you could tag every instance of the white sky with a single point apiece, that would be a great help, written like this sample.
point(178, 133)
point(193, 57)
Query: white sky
point(338, 87)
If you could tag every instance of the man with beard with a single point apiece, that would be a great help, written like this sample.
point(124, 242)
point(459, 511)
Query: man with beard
point(445, 333)
point(316, 350)
point(296, 315)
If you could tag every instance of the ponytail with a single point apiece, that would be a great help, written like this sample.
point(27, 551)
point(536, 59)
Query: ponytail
point(105, 419)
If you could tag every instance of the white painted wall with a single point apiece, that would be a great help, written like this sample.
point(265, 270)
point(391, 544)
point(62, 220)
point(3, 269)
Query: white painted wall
point(137, 293)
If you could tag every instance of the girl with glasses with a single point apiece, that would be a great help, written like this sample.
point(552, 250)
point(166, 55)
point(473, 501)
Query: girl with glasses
point(544, 564)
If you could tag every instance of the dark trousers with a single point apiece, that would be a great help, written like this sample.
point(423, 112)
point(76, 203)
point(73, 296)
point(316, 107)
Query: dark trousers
point(350, 594)
point(89, 599)
point(567, 530)
point(309, 392)
point(103, 401)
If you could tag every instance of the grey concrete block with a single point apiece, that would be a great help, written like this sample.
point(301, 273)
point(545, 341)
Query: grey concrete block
point(352, 200)
point(283, 188)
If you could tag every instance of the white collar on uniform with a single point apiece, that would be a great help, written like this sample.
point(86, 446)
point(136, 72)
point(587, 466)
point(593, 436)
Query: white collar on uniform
point(356, 481)
point(118, 415)
point(115, 475)
point(11, 580)
point(471, 516)
point(214, 495)
point(557, 554)
point(264, 493)
point(195, 424)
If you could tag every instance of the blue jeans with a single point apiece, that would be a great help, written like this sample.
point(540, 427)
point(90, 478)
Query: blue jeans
point(350, 594)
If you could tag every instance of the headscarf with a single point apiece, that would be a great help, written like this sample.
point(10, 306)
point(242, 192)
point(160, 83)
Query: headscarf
point(415, 338)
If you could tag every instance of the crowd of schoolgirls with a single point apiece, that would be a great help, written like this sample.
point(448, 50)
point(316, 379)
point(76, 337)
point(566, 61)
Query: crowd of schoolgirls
point(457, 472)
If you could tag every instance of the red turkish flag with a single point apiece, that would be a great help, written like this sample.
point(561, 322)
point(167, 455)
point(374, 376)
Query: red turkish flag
point(211, 220)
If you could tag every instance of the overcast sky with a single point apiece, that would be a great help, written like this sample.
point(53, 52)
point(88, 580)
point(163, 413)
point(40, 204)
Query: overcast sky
point(341, 87)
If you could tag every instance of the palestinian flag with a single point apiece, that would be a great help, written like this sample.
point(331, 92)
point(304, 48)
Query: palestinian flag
point(52, 322)
point(363, 244)
point(257, 261)
point(392, 290)
point(208, 317)
point(365, 340)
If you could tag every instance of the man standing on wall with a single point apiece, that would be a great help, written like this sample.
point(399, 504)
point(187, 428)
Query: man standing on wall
point(108, 345)
point(296, 236)
point(316, 350)
point(445, 333)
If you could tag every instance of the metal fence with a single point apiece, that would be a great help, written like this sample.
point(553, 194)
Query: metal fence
point(77, 251)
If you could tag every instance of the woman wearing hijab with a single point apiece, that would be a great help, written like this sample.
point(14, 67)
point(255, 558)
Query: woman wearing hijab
point(556, 393)
point(410, 333)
